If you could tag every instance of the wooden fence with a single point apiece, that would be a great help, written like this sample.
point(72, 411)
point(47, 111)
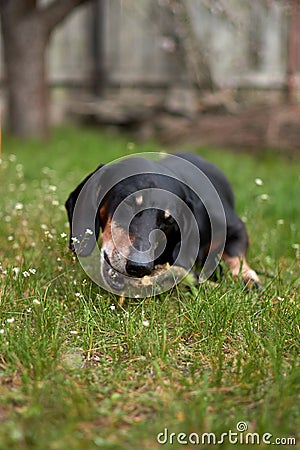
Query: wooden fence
point(241, 43)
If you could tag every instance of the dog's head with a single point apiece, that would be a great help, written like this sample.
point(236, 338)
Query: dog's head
point(134, 206)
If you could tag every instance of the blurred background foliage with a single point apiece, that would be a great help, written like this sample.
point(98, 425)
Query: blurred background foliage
point(204, 71)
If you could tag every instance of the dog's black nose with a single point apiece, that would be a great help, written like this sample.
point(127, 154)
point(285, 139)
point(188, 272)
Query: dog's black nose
point(139, 270)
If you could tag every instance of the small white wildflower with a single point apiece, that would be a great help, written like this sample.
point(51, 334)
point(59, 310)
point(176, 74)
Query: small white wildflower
point(26, 274)
point(75, 240)
point(52, 188)
point(264, 197)
point(2, 331)
point(10, 238)
point(88, 232)
point(44, 226)
point(259, 181)
point(281, 299)
point(19, 206)
point(32, 271)
point(36, 301)
point(280, 222)
point(63, 235)
point(16, 270)
point(146, 323)
point(55, 202)
point(73, 332)
point(112, 307)
point(11, 320)
point(77, 294)
point(131, 146)
point(12, 158)
point(297, 248)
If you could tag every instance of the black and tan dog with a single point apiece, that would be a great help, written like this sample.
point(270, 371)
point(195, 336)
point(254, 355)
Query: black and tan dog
point(176, 176)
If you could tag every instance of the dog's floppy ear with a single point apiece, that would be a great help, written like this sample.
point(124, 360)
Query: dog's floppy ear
point(81, 229)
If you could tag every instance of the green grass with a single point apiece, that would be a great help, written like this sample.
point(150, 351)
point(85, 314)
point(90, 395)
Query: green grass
point(78, 371)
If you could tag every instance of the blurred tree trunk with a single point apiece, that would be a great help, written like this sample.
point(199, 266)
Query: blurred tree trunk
point(26, 30)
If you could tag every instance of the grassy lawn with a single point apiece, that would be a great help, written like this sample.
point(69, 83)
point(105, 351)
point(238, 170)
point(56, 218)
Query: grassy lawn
point(78, 371)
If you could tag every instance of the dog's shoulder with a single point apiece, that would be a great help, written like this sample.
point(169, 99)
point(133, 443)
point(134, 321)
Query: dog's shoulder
point(212, 172)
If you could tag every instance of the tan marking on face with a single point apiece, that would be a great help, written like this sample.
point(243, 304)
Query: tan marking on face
point(139, 200)
point(239, 267)
point(106, 236)
point(103, 213)
point(116, 245)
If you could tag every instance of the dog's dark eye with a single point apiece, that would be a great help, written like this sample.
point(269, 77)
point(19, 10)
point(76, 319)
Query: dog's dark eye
point(167, 221)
